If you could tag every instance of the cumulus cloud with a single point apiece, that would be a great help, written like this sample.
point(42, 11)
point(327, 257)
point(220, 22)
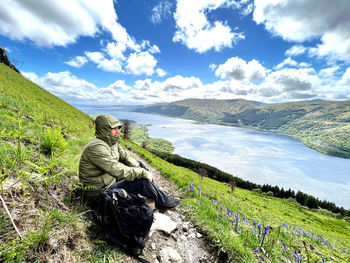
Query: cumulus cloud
point(77, 62)
point(346, 77)
point(65, 85)
point(141, 63)
point(161, 72)
point(289, 85)
point(296, 50)
point(300, 21)
point(196, 32)
point(111, 65)
point(161, 11)
point(55, 23)
point(119, 85)
point(278, 86)
point(238, 69)
point(292, 63)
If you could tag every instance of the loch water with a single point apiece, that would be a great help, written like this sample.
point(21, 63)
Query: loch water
point(260, 157)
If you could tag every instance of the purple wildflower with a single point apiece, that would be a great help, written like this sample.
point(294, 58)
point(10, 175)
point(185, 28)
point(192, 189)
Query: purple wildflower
point(256, 250)
point(190, 188)
point(284, 247)
point(259, 228)
point(266, 230)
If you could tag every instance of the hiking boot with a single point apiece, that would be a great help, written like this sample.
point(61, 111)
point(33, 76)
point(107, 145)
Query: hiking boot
point(172, 202)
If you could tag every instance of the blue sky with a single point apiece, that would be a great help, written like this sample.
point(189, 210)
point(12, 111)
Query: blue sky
point(147, 51)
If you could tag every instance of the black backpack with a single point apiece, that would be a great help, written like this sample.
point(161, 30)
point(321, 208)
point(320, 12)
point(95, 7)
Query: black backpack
point(126, 220)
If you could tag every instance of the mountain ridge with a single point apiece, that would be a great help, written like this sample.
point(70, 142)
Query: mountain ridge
point(321, 125)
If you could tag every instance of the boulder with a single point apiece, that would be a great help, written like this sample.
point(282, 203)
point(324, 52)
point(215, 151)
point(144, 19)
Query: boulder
point(170, 255)
point(163, 223)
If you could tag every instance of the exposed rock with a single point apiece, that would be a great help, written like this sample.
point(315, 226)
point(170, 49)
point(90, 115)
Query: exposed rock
point(192, 235)
point(153, 246)
point(4, 59)
point(170, 255)
point(186, 226)
point(163, 223)
point(199, 235)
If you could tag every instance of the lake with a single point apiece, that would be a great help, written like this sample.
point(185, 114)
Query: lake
point(260, 157)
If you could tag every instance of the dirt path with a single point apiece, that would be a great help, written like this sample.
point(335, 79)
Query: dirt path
point(184, 244)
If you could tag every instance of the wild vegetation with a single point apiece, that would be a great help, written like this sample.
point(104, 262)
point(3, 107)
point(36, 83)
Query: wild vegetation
point(252, 227)
point(218, 175)
point(321, 125)
point(139, 134)
point(41, 138)
point(41, 141)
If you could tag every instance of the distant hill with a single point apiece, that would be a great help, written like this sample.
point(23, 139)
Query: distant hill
point(321, 125)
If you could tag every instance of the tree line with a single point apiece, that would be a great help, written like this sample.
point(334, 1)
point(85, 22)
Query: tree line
point(206, 170)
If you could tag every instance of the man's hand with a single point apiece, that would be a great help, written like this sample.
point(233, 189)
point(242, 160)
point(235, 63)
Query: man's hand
point(149, 176)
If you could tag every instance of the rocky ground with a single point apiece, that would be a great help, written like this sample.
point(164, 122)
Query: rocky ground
point(173, 238)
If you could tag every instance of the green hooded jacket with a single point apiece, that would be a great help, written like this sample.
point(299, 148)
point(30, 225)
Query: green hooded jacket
point(104, 161)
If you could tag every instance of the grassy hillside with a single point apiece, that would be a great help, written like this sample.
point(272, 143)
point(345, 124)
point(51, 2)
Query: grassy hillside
point(252, 227)
point(41, 142)
point(41, 138)
point(324, 125)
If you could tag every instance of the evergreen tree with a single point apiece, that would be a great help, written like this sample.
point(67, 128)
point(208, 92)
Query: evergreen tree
point(126, 129)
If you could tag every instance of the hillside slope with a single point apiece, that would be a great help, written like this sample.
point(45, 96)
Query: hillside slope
point(323, 125)
point(41, 140)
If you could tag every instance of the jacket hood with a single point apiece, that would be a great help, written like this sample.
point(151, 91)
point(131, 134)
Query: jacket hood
point(104, 123)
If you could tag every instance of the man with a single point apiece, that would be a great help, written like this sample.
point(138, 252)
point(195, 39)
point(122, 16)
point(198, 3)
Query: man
point(105, 165)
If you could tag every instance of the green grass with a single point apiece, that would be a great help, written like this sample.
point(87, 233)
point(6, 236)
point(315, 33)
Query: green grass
point(139, 134)
point(239, 240)
point(41, 140)
point(50, 231)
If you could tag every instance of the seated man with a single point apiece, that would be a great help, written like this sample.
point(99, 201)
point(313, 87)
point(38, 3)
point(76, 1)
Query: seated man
point(105, 165)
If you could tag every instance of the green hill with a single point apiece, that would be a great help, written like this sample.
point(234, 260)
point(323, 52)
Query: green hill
point(41, 141)
point(321, 125)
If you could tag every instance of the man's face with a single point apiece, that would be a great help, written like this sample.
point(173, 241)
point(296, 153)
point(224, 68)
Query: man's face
point(115, 131)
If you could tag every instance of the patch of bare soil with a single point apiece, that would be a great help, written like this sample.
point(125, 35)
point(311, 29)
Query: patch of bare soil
point(182, 244)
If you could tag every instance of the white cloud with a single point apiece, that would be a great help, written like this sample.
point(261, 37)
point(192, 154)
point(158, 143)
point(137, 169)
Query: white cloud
point(161, 72)
point(54, 23)
point(116, 50)
point(119, 85)
point(141, 63)
point(296, 50)
point(292, 63)
point(110, 65)
point(300, 21)
point(31, 76)
point(279, 86)
point(328, 73)
point(77, 62)
point(213, 67)
point(346, 78)
point(161, 11)
point(238, 69)
point(65, 85)
point(196, 32)
point(60, 23)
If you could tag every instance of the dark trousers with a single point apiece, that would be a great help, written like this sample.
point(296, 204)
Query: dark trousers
point(145, 188)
